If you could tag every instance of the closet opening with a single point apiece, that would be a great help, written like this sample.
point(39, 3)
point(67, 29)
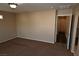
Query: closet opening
point(63, 23)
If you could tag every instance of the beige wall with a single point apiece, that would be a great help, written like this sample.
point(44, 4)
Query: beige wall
point(64, 12)
point(7, 26)
point(39, 25)
point(76, 13)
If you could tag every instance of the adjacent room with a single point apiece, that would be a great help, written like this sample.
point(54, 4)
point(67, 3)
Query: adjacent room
point(37, 29)
point(62, 28)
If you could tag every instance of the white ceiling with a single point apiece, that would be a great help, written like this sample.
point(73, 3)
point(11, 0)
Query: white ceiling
point(27, 7)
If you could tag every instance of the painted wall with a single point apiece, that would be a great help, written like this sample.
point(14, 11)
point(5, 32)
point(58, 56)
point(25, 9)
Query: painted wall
point(76, 13)
point(7, 26)
point(62, 12)
point(39, 25)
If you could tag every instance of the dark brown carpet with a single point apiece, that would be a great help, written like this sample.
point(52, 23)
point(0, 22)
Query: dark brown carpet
point(61, 38)
point(25, 47)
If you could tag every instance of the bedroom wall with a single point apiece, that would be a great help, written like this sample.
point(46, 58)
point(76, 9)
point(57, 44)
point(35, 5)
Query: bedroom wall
point(76, 13)
point(7, 26)
point(39, 25)
point(64, 12)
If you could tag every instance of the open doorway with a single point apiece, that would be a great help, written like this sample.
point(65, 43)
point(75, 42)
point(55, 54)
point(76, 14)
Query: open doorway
point(63, 25)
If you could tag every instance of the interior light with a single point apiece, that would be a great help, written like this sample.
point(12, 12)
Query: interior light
point(1, 16)
point(13, 5)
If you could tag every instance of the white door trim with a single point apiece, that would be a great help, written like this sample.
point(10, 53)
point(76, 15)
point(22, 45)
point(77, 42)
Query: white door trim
point(68, 37)
point(74, 34)
point(56, 29)
point(70, 15)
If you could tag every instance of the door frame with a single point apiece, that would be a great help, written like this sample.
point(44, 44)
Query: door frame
point(70, 15)
point(74, 33)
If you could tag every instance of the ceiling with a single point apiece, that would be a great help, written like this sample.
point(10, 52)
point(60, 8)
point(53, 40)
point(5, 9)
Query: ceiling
point(28, 7)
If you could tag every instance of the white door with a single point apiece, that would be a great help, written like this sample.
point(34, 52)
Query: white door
point(56, 29)
point(69, 30)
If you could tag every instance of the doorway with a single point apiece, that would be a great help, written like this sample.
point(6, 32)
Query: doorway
point(63, 28)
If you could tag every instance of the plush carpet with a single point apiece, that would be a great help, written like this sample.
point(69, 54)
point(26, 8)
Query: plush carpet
point(26, 47)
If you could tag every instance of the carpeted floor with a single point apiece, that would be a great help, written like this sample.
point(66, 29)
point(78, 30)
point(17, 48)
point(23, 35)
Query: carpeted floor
point(26, 47)
point(61, 37)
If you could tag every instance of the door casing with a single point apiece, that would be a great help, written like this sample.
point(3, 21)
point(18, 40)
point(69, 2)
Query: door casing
point(68, 38)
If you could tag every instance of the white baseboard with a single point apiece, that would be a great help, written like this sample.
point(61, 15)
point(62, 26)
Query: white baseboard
point(35, 39)
point(8, 39)
point(72, 51)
